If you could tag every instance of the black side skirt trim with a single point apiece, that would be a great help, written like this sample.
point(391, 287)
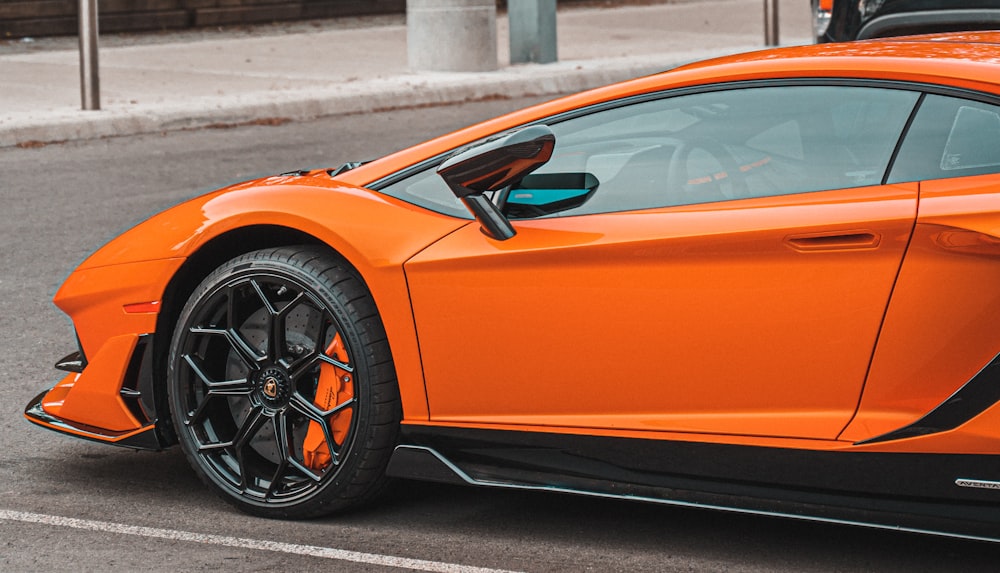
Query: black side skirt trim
point(917, 492)
point(418, 462)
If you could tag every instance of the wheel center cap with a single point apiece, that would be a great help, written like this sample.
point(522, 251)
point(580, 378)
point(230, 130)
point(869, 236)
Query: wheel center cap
point(270, 387)
point(273, 387)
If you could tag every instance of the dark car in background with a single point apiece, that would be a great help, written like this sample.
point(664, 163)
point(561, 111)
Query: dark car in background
point(845, 20)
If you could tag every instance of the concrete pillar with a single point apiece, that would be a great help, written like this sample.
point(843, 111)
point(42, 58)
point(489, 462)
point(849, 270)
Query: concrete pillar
point(451, 35)
point(532, 31)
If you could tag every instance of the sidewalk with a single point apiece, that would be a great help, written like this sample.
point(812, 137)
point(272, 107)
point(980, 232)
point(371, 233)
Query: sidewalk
point(324, 68)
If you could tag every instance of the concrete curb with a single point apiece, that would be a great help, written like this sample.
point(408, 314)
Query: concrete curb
point(405, 91)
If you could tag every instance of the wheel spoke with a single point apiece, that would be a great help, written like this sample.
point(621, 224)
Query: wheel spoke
point(242, 472)
point(208, 331)
point(246, 352)
point(209, 448)
point(251, 425)
point(309, 410)
point(319, 342)
point(199, 412)
point(306, 363)
point(276, 341)
point(330, 360)
point(308, 472)
point(263, 297)
point(322, 345)
point(243, 349)
point(235, 387)
point(277, 345)
point(275, 326)
point(291, 304)
point(239, 343)
point(283, 440)
point(303, 365)
point(240, 387)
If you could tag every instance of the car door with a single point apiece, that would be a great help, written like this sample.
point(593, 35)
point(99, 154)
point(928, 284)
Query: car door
point(940, 329)
point(729, 274)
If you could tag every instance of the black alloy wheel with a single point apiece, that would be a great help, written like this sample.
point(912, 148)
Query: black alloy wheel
point(281, 384)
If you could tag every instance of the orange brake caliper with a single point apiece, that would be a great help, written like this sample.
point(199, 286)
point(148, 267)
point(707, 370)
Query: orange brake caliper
point(335, 386)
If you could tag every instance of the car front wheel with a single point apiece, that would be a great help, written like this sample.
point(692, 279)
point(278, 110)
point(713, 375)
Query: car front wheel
point(281, 384)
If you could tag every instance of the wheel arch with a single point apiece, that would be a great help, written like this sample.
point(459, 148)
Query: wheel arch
point(198, 265)
point(213, 230)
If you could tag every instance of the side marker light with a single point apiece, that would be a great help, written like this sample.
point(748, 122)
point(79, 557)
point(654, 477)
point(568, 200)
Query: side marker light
point(142, 307)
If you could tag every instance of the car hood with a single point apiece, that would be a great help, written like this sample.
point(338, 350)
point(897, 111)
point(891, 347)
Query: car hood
point(351, 219)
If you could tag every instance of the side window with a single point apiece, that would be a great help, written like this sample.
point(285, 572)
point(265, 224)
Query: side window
point(950, 137)
point(428, 190)
point(732, 144)
point(700, 148)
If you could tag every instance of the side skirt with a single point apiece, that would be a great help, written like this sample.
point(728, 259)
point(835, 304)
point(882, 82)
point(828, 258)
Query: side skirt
point(850, 488)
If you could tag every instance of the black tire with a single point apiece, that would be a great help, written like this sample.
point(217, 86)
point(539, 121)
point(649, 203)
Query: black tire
point(245, 364)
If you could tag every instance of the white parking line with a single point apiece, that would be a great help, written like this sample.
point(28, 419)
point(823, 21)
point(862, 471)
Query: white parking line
point(294, 549)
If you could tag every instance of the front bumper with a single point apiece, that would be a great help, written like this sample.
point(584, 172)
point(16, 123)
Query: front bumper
point(109, 401)
point(143, 438)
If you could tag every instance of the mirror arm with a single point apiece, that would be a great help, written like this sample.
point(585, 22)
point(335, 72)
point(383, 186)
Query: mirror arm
point(493, 223)
point(493, 165)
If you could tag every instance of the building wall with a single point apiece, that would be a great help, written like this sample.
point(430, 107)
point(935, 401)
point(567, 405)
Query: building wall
point(19, 18)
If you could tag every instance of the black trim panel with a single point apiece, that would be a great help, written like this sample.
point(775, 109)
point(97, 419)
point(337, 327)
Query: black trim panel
point(899, 146)
point(508, 454)
point(828, 484)
point(131, 392)
point(972, 399)
point(73, 362)
point(425, 462)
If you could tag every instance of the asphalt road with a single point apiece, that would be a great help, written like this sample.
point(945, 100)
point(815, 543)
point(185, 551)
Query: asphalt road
point(146, 511)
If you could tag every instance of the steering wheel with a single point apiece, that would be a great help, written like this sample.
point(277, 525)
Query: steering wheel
point(703, 171)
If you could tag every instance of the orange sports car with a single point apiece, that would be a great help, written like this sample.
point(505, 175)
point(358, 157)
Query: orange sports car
point(767, 283)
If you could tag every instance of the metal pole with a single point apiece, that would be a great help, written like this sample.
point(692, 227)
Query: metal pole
point(532, 31)
point(771, 22)
point(90, 83)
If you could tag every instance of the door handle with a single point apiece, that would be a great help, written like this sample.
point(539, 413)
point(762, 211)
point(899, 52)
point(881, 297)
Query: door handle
point(837, 241)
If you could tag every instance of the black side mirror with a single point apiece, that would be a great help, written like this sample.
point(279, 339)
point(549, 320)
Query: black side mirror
point(492, 166)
